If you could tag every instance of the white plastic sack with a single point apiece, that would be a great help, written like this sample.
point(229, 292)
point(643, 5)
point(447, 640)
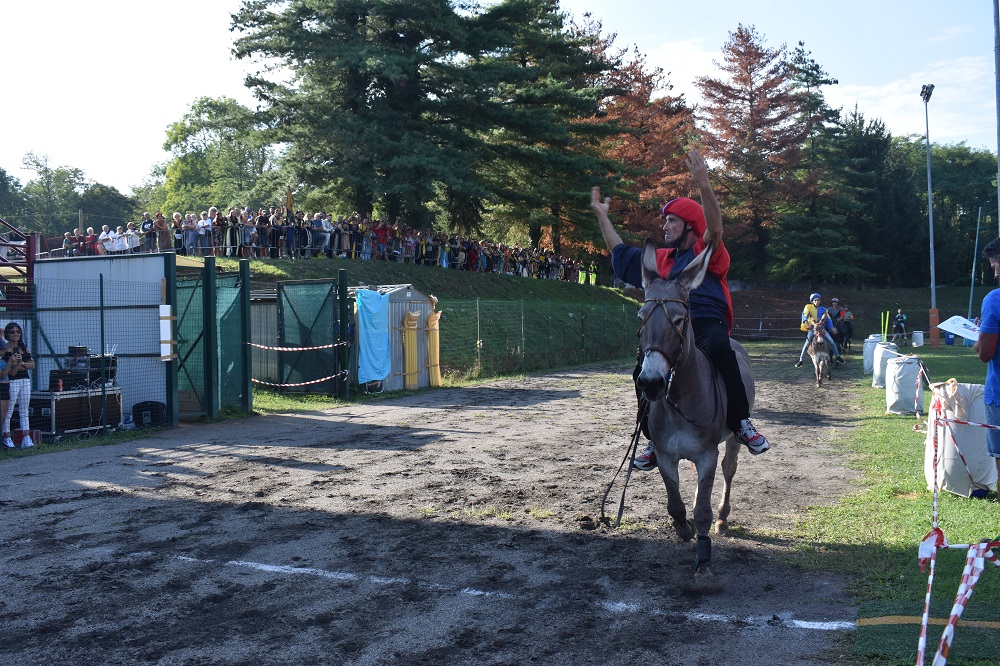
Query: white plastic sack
point(868, 356)
point(918, 338)
point(883, 352)
point(903, 388)
point(964, 465)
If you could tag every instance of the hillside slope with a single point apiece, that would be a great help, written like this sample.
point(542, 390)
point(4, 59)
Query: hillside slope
point(866, 304)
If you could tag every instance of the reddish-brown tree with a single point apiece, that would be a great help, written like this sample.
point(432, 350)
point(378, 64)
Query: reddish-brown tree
point(752, 126)
point(653, 142)
point(647, 150)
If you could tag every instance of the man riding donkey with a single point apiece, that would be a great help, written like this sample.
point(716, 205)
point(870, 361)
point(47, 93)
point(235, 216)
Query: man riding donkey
point(687, 229)
point(815, 317)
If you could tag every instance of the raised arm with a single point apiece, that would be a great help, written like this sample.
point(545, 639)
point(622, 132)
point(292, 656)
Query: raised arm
point(601, 208)
point(713, 213)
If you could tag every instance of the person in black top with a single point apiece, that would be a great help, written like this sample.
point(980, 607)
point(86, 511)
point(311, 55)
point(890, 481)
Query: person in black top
point(18, 362)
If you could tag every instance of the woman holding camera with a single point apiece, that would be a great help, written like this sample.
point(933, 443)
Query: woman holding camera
point(18, 362)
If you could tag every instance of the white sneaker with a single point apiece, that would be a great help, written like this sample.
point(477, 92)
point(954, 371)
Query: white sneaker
point(753, 440)
point(26, 443)
point(9, 443)
point(646, 460)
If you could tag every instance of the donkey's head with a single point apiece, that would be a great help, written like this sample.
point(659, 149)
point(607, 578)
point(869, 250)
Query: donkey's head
point(665, 333)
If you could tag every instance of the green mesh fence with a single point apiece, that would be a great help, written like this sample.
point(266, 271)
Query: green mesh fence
point(484, 338)
point(307, 317)
point(190, 332)
point(230, 321)
point(226, 325)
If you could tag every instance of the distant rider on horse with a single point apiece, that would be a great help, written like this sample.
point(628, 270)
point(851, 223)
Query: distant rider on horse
point(687, 228)
point(816, 316)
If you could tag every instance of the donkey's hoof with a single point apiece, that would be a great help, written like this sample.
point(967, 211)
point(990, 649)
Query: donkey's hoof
point(685, 529)
point(704, 572)
point(721, 526)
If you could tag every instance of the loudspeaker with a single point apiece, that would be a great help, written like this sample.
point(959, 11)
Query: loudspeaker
point(149, 414)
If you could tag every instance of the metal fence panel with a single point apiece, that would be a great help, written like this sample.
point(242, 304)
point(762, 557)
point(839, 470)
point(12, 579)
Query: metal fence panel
point(483, 338)
point(307, 317)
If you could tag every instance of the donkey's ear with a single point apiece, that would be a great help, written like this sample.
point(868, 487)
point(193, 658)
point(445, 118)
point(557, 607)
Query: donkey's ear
point(692, 276)
point(649, 272)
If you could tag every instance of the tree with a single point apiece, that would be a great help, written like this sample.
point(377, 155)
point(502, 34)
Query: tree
point(103, 204)
point(545, 136)
point(752, 126)
point(651, 145)
point(12, 204)
point(417, 108)
point(883, 225)
point(368, 74)
point(812, 240)
point(964, 180)
point(219, 154)
point(53, 197)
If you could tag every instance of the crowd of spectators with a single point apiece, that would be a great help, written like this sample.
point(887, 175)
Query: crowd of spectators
point(275, 234)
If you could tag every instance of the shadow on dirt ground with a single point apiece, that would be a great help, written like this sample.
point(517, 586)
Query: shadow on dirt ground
point(454, 526)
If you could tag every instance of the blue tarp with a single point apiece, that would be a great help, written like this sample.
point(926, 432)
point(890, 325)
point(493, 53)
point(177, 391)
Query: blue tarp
point(374, 359)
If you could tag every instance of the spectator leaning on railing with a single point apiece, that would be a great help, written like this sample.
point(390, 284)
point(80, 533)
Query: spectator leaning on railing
point(278, 233)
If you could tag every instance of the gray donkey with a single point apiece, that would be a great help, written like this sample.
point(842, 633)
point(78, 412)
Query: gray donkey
point(687, 400)
point(819, 352)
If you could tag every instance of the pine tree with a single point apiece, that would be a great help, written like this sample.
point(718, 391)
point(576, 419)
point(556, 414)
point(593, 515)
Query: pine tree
point(752, 127)
point(811, 240)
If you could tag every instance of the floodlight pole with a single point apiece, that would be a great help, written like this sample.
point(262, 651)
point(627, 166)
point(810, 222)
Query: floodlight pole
point(996, 75)
point(972, 287)
point(925, 94)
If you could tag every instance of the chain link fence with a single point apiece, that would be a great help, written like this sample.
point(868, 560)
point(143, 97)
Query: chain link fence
point(482, 338)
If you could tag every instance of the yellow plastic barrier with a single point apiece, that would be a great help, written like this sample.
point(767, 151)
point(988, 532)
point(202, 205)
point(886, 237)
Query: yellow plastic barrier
point(411, 366)
point(434, 348)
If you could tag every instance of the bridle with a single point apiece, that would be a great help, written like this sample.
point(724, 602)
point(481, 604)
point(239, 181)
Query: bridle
point(680, 331)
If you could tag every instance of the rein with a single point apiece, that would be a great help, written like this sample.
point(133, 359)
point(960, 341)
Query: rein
point(629, 458)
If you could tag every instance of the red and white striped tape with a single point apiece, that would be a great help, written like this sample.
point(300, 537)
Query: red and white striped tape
point(314, 381)
point(969, 423)
point(978, 555)
point(974, 565)
point(296, 349)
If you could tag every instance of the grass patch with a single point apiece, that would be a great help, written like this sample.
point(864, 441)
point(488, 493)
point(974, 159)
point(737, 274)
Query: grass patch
point(272, 402)
point(539, 513)
point(486, 513)
point(872, 535)
point(83, 441)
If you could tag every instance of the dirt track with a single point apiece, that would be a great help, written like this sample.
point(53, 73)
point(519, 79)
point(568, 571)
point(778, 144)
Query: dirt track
point(451, 527)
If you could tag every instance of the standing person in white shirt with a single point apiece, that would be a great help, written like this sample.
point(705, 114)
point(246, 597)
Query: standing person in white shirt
point(204, 227)
point(121, 241)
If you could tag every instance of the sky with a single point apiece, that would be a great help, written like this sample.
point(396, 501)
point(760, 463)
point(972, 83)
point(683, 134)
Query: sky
point(94, 85)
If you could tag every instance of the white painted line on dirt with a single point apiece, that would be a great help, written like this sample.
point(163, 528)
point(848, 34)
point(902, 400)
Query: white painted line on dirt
point(620, 607)
point(823, 626)
point(774, 619)
point(482, 593)
point(279, 568)
point(617, 607)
